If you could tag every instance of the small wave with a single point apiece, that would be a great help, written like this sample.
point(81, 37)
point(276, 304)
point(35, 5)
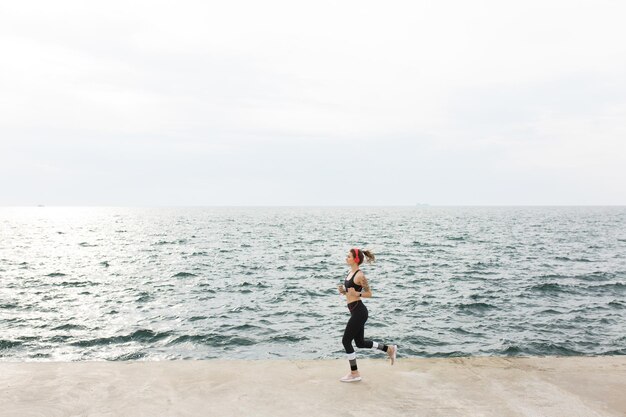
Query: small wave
point(539, 349)
point(288, 338)
point(9, 344)
point(461, 330)
point(167, 242)
point(39, 355)
point(482, 296)
point(143, 336)
point(201, 253)
point(9, 306)
point(614, 286)
point(424, 341)
point(244, 307)
point(552, 349)
point(596, 276)
point(207, 290)
point(133, 356)
point(69, 327)
point(76, 284)
point(565, 258)
point(614, 352)
point(144, 297)
point(450, 354)
point(56, 274)
point(105, 264)
point(312, 293)
point(241, 327)
point(511, 351)
point(215, 340)
point(314, 241)
point(306, 268)
point(86, 245)
point(183, 275)
point(484, 265)
point(58, 339)
point(550, 311)
point(550, 288)
point(258, 284)
point(617, 304)
point(475, 306)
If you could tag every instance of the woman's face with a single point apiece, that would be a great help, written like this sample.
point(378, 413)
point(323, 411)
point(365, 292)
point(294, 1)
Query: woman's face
point(349, 258)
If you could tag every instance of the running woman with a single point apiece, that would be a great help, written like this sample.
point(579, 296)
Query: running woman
point(355, 288)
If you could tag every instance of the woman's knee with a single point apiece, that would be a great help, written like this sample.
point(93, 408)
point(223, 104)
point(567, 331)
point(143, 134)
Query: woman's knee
point(347, 344)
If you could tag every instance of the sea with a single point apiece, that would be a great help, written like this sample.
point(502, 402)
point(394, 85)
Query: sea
point(173, 283)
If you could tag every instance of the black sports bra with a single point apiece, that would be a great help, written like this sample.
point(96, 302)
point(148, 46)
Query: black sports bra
point(350, 283)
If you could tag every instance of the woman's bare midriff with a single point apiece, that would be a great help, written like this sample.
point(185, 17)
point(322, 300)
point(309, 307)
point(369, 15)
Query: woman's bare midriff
point(352, 299)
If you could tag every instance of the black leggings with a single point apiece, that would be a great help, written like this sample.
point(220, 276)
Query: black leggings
point(355, 329)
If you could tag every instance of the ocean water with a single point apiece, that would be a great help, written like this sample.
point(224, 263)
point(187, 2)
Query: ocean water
point(260, 283)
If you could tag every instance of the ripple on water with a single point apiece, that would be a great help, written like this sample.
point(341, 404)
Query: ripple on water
point(551, 288)
point(214, 340)
point(475, 307)
point(566, 259)
point(77, 284)
point(9, 344)
point(132, 356)
point(142, 336)
point(184, 275)
point(69, 326)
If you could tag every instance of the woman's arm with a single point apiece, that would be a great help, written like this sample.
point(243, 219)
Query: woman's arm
point(366, 292)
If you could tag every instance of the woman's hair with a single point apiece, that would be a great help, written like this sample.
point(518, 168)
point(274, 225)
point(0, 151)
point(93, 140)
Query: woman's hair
point(362, 254)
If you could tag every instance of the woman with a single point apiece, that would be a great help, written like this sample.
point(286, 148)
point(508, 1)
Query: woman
point(355, 289)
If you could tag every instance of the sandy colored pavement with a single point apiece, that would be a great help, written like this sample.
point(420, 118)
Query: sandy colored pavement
point(478, 386)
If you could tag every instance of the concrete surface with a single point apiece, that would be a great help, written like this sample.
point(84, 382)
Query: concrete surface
point(478, 386)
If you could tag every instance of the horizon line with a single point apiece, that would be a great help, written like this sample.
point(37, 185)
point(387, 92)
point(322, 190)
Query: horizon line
point(418, 205)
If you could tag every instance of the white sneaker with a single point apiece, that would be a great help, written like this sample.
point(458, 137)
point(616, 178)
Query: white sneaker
point(350, 378)
point(393, 354)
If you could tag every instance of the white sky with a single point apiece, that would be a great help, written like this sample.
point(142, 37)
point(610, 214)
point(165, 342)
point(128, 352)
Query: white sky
point(312, 103)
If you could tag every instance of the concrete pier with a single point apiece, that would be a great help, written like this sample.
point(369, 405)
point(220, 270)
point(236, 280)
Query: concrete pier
point(477, 386)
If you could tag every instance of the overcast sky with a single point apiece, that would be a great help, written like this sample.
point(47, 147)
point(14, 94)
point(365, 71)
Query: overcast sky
point(313, 103)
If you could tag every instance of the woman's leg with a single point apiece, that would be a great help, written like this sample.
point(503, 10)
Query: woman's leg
point(360, 341)
point(348, 335)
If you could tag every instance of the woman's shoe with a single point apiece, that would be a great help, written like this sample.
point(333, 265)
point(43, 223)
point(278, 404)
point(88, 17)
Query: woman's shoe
point(393, 354)
point(350, 378)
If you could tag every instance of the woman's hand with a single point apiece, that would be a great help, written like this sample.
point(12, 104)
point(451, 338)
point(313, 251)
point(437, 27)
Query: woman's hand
point(341, 289)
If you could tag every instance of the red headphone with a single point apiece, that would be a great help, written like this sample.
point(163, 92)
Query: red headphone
point(356, 255)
